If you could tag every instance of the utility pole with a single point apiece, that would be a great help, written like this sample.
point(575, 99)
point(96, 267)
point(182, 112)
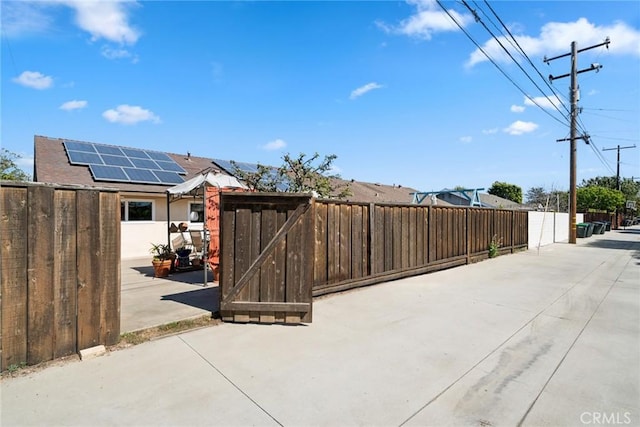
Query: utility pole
point(618, 173)
point(618, 168)
point(573, 125)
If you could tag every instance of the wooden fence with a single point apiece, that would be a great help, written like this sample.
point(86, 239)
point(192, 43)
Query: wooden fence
point(362, 244)
point(60, 271)
point(343, 245)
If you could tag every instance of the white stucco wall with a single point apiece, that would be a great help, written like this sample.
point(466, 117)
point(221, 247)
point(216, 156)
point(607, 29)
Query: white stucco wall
point(549, 227)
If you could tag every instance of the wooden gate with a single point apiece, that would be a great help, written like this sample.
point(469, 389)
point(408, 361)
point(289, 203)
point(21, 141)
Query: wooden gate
point(267, 257)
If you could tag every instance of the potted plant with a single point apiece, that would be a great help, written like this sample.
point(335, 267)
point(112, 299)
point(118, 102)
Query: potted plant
point(161, 259)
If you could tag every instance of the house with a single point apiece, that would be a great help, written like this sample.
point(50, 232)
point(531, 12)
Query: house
point(473, 197)
point(143, 176)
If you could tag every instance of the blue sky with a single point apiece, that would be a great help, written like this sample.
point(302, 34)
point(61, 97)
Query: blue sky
point(395, 89)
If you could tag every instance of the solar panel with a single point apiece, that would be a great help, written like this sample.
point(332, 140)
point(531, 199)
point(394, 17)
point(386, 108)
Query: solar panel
point(108, 149)
point(116, 160)
point(156, 155)
point(111, 163)
point(224, 164)
point(144, 163)
point(84, 158)
point(136, 154)
point(169, 177)
point(170, 166)
point(108, 173)
point(141, 175)
point(79, 146)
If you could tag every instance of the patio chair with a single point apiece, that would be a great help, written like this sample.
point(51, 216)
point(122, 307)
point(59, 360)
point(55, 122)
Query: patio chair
point(196, 241)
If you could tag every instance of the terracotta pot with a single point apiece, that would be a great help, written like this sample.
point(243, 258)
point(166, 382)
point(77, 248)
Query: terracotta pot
point(161, 268)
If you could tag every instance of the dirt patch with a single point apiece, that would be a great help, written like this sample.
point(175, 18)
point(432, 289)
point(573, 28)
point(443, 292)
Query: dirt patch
point(127, 340)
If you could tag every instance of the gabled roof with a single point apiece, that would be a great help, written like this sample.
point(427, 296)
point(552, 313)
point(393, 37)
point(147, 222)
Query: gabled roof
point(51, 165)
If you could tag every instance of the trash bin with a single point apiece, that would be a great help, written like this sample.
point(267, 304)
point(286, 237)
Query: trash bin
point(589, 229)
point(598, 227)
point(607, 226)
point(581, 229)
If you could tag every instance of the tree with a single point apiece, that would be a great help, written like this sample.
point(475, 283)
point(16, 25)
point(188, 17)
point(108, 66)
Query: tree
point(557, 200)
point(9, 170)
point(297, 175)
point(599, 198)
point(506, 191)
point(628, 186)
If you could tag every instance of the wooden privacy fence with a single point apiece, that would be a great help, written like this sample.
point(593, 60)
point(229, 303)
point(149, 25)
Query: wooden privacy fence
point(361, 244)
point(280, 251)
point(60, 265)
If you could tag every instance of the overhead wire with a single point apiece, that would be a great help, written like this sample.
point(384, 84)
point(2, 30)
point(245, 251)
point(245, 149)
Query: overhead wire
point(580, 125)
point(496, 64)
point(514, 42)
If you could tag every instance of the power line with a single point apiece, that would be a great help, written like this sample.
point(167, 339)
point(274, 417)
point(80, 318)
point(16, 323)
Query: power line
point(524, 54)
point(455, 21)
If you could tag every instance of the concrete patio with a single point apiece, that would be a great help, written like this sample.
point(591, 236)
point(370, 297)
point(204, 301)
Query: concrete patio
point(148, 301)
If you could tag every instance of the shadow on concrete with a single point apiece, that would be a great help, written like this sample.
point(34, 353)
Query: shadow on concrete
point(191, 276)
point(205, 299)
point(610, 244)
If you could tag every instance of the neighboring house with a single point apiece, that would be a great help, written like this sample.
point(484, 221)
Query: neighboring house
point(143, 176)
point(476, 198)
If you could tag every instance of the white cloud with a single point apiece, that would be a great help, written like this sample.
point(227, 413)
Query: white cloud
point(34, 79)
point(428, 19)
point(490, 131)
point(517, 108)
point(276, 144)
point(129, 115)
point(466, 139)
point(364, 89)
point(20, 18)
point(117, 53)
point(519, 127)
point(556, 37)
point(107, 20)
point(73, 105)
point(544, 102)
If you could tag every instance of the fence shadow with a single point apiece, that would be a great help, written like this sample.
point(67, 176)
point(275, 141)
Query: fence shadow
point(205, 298)
point(191, 277)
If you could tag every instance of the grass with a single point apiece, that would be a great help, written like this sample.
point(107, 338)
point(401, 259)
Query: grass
point(138, 337)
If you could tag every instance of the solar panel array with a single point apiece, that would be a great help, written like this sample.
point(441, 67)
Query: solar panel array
point(248, 168)
point(111, 163)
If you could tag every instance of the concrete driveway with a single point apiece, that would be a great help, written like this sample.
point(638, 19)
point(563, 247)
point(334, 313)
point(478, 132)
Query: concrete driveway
point(536, 338)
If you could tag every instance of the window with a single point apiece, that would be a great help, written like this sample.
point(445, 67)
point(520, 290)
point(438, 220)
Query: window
point(198, 208)
point(136, 210)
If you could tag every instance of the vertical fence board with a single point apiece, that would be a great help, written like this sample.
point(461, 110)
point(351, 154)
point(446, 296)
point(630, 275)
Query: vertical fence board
point(65, 284)
point(13, 280)
point(256, 223)
point(321, 256)
point(357, 269)
point(305, 288)
point(267, 271)
point(242, 248)
point(405, 238)
point(88, 266)
point(110, 268)
point(227, 252)
point(378, 240)
point(280, 255)
point(333, 240)
point(40, 308)
point(388, 238)
point(344, 250)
